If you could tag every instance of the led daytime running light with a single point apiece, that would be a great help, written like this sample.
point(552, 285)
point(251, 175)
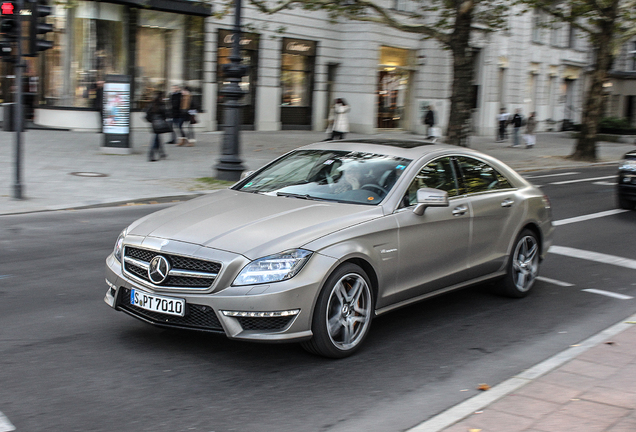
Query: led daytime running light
point(275, 314)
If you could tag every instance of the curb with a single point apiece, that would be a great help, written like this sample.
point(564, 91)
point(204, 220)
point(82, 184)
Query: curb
point(477, 403)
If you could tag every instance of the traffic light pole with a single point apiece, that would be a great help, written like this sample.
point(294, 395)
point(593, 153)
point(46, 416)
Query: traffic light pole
point(17, 185)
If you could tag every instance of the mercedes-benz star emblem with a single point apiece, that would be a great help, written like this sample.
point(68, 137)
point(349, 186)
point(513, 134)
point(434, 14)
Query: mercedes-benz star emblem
point(158, 269)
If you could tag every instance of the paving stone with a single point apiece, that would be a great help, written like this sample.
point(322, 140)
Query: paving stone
point(594, 370)
point(611, 396)
point(548, 392)
point(525, 406)
point(561, 422)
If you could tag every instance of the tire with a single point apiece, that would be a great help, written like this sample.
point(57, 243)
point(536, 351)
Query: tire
point(624, 203)
point(343, 313)
point(523, 265)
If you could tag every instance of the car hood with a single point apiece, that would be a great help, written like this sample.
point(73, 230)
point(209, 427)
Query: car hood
point(250, 224)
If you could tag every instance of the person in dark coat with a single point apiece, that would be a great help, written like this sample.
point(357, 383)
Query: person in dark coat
point(175, 111)
point(156, 110)
point(429, 120)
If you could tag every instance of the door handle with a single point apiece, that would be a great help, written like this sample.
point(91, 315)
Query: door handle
point(460, 210)
point(507, 202)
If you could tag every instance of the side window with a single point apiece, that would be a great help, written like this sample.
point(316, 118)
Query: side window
point(478, 176)
point(438, 174)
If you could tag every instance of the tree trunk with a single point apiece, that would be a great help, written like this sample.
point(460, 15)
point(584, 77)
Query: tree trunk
point(463, 69)
point(585, 149)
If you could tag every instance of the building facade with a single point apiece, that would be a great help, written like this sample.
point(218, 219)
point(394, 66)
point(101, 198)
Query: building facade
point(388, 77)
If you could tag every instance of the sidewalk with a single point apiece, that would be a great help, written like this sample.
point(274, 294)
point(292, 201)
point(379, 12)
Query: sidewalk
point(589, 387)
point(63, 170)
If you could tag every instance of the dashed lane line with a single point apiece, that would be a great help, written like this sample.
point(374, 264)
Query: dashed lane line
point(588, 217)
point(594, 256)
point(554, 281)
point(5, 424)
point(551, 175)
point(583, 180)
point(609, 294)
point(601, 183)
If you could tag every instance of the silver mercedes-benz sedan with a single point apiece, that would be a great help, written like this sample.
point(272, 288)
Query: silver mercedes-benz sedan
point(311, 247)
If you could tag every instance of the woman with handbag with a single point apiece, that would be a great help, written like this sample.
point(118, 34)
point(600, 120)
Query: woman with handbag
point(188, 114)
point(156, 115)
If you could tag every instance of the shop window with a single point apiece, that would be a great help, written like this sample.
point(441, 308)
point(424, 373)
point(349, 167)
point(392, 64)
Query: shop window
point(393, 86)
point(72, 72)
point(294, 80)
point(169, 51)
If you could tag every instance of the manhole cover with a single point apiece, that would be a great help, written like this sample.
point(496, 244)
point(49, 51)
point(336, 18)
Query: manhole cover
point(88, 174)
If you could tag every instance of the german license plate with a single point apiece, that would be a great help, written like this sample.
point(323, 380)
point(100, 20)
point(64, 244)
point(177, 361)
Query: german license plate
point(155, 303)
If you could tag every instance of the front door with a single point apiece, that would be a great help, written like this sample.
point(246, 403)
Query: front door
point(440, 237)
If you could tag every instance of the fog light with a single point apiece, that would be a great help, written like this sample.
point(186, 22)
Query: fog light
point(245, 314)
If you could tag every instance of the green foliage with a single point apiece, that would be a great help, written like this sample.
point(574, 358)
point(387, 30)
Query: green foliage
point(614, 123)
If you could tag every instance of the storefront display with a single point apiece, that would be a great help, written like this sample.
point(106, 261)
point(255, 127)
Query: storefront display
point(249, 44)
point(297, 82)
point(393, 87)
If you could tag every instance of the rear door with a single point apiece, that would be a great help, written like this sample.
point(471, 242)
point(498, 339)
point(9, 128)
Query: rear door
point(496, 211)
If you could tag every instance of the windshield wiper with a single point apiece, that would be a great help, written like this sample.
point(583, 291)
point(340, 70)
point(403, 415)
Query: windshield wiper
point(300, 196)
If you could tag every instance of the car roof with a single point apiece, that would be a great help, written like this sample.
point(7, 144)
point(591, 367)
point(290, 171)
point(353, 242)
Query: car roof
point(399, 147)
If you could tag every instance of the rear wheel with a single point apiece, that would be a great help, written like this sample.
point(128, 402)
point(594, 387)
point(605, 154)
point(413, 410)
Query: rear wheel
point(343, 313)
point(523, 265)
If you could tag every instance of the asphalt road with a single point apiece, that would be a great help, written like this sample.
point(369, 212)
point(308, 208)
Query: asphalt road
point(70, 363)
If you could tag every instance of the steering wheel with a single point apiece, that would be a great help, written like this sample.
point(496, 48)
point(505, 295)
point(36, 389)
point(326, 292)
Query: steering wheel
point(374, 188)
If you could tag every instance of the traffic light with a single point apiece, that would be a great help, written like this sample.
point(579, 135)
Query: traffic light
point(9, 23)
point(39, 11)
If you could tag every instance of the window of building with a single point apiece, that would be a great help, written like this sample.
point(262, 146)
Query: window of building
point(404, 5)
point(98, 47)
point(169, 51)
point(632, 56)
point(572, 37)
point(537, 26)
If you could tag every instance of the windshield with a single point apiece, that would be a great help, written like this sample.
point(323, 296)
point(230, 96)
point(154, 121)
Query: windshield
point(353, 177)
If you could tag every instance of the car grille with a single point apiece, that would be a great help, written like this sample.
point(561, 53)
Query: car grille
point(265, 323)
point(139, 259)
point(197, 317)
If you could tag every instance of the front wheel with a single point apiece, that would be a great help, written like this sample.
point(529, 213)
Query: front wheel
point(523, 265)
point(343, 313)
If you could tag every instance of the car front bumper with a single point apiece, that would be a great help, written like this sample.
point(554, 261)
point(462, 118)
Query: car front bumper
point(252, 306)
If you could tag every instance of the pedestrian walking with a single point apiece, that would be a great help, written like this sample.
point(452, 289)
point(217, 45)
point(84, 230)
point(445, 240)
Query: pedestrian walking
point(429, 120)
point(175, 111)
point(502, 119)
point(531, 126)
point(156, 115)
point(517, 122)
point(188, 115)
point(340, 119)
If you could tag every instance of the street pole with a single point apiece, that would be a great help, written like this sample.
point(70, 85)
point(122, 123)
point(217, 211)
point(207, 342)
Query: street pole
point(230, 165)
point(17, 185)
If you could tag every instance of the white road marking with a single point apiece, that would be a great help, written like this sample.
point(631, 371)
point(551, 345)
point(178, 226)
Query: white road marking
point(583, 180)
point(554, 281)
point(5, 424)
point(609, 294)
point(605, 183)
point(588, 217)
point(594, 256)
point(552, 175)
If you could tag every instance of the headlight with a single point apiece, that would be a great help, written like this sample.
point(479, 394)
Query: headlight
point(628, 164)
point(273, 268)
point(119, 246)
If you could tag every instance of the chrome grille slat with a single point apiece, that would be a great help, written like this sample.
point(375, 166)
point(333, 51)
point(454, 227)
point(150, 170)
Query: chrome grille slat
point(186, 272)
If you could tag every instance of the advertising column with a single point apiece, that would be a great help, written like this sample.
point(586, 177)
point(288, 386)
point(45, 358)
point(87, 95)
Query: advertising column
point(115, 113)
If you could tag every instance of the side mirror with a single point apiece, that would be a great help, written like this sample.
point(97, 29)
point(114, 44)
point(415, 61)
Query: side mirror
point(246, 174)
point(428, 197)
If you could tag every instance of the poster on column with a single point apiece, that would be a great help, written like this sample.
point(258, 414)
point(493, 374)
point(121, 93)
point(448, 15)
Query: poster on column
point(116, 111)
